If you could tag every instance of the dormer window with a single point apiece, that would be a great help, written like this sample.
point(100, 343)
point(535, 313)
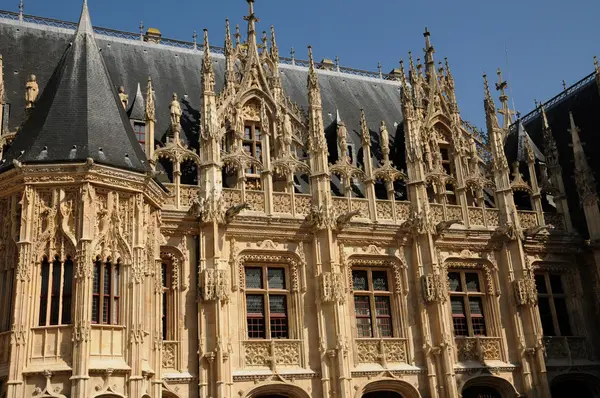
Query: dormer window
point(252, 144)
point(140, 133)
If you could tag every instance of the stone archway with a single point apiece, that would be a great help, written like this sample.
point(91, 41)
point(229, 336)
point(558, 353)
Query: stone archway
point(387, 388)
point(277, 390)
point(575, 385)
point(489, 387)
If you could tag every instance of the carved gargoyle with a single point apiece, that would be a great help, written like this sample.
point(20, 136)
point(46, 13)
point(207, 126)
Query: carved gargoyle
point(234, 211)
point(344, 219)
point(533, 231)
point(443, 226)
point(505, 232)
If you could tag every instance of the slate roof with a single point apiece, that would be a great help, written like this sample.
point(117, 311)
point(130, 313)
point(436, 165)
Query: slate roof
point(583, 99)
point(137, 109)
point(78, 114)
point(31, 48)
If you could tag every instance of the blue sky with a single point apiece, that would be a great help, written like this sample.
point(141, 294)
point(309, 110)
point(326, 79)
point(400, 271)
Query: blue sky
point(547, 40)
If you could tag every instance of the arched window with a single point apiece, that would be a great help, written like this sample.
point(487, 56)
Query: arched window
point(106, 292)
point(56, 292)
point(372, 302)
point(168, 302)
point(267, 298)
point(139, 128)
point(467, 302)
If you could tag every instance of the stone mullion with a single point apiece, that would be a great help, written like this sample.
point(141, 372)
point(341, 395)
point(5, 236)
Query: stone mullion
point(154, 288)
point(82, 320)
point(137, 331)
point(267, 174)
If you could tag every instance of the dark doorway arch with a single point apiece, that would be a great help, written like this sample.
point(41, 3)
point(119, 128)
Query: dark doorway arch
point(382, 394)
point(481, 392)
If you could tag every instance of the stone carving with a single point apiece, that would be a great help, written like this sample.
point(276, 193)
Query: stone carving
point(175, 111)
point(216, 285)
point(48, 391)
point(123, 97)
point(332, 287)
point(435, 288)
point(31, 91)
point(381, 351)
point(525, 291)
point(169, 354)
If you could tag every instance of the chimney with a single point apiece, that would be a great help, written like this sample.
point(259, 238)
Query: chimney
point(152, 35)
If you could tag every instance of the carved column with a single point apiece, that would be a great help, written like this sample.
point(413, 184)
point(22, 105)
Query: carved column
point(82, 318)
point(22, 292)
point(150, 115)
point(368, 164)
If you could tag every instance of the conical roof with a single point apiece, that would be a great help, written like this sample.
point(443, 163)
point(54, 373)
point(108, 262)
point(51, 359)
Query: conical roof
point(137, 111)
point(78, 115)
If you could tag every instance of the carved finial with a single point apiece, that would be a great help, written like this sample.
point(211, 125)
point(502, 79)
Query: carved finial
point(314, 91)
point(379, 69)
point(596, 65)
point(150, 107)
point(141, 30)
point(564, 84)
point(429, 51)
point(274, 48)
point(20, 10)
point(263, 39)
point(364, 129)
point(505, 111)
point(208, 76)
point(195, 38)
point(252, 19)
point(31, 92)
point(337, 63)
point(293, 56)
point(238, 35)
point(448, 72)
point(586, 184)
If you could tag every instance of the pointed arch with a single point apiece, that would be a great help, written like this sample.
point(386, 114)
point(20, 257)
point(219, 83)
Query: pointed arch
point(277, 388)
point(503, 387)
point(388, 384)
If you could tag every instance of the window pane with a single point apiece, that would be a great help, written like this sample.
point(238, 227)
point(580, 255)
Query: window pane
point(257, 135)
point(362, 306)
point(540, 284)
point(96, 309)
point(276, 278)
point(359, 280)
point(164, 315)
point(67, 290)
point(96, 283)
point(277, 305)
point(106, 281)
point(546, 316)
point(472, 280)
point(458, 306)
point(478, 325)
point(363, 327)
point(556, 284)
point(164, 274)
point(247, 133)
point(255, 304)
point(563, 317)
point(116, 280)
point(115, 312)
point(55, 300)
point(475, 306)
point(258, 154)
point(105, 310)
point(279, 328)
point(44, 298)
point(382, 305)
point(380, 281)
point(454, 282)
point(384, 327)
point(254, 278)
point(256, 328)
point(248, 149)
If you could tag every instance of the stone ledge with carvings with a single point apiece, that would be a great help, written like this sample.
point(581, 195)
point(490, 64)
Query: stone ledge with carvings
point(381, 350)
point(478, 349)
point(270, 353)
point(566, 348)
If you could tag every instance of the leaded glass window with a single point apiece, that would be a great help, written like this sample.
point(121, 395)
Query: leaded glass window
point(552, 305)
point(466, 303)
point(372, 303)
point(56, 292)
point(106, 292)
point(267, 302)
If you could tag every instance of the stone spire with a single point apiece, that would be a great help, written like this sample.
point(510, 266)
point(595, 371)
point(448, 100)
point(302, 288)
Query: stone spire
point(208, 74)
point(495, 132)
point(137, 109)
point(274, 48)
point(316, 130)
point(150, 116)
point(505, 111)
point(229, 60)
point(429, 51)
point(314, 92)
point(550, 148)
point(150, 104)
point(586, 185)
point(252, 19)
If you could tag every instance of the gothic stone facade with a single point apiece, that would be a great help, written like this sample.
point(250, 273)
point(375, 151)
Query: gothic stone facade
point(286, 253)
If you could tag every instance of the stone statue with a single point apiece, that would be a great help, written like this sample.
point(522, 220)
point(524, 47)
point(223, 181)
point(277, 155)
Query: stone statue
point(342, 138)
point(175, 109)
point(123, 97)
point(385, 140)
point(286, 139)
point(31, 91)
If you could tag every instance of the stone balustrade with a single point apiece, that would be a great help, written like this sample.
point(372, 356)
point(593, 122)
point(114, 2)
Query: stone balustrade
point(381, 351)
point(566, 347)
point(271, 353)
point(478, 348)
